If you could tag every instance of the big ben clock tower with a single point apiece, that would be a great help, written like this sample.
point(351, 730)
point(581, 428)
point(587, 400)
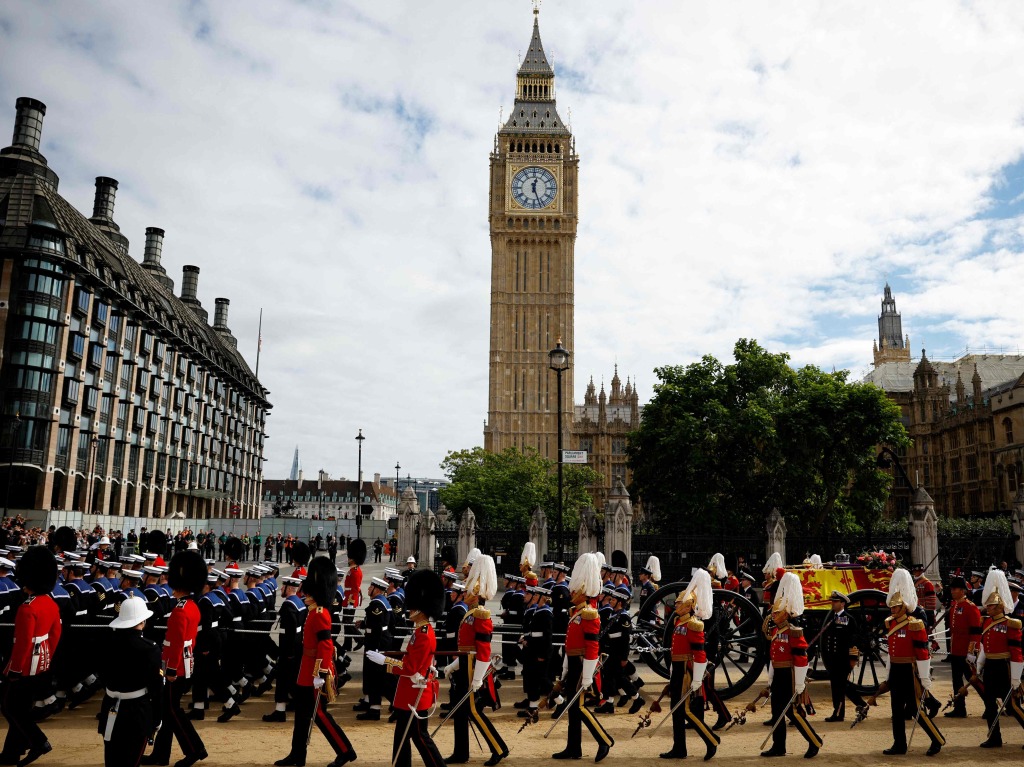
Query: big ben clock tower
point(533, 196)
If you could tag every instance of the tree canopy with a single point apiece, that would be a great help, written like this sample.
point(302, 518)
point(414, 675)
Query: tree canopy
point(720, 446)
point(504, 488)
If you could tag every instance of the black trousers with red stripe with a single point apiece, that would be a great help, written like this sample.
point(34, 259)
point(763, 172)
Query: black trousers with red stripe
point(176, 722)
point(304, 698)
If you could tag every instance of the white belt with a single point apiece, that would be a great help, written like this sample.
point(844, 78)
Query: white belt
point(537, 634)
point(187, 643)
point(38, 639)
point(82, 612)
point(126, 695)
point(615, 636)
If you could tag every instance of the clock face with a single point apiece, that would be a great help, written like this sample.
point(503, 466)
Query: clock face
point(534, 188)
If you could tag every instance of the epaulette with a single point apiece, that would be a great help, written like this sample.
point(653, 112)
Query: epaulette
point(796, 631)
point(424, 628)
point(482, 613)
point(589, 613)
point(889, 621)
point(695, 624)
point(915, 624)
point(1013, 623)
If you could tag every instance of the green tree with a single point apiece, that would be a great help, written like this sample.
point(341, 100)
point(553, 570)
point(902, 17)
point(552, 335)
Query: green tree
point(504, 488)
point(720, 446)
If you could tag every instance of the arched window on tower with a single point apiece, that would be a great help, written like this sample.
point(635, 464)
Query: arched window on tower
point(1012, 483)
point(1008, 430)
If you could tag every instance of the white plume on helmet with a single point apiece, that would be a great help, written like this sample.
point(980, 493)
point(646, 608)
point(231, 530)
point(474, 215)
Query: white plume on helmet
point(529, 557)
point(996, 583)
point(902, 590)
point(586, 576)
point(774, 563)
point(471, 557)
point(600, 558)
point(790, 596)
point(700, 588)
point(654, 565)
point(483, 578)
point(717, 566)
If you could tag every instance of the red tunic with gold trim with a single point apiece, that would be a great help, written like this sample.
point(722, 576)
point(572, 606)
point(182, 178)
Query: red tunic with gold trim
point(418, 659)
point(908, 640)
point(475, 634)
point(180, 640)
point(36, 635)
point(353, 587)
point(316, 645)
point(964, 627)
point(1001, 639)
point(582, 635)
point(788, 647)
point(688, 640)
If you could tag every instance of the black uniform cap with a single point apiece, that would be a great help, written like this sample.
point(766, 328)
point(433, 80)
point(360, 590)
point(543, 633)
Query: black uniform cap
point(425, 592)
point(957, 582)
point(357, 551)
point(37, 570)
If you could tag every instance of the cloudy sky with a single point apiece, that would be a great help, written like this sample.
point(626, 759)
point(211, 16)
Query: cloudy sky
point(747, 170)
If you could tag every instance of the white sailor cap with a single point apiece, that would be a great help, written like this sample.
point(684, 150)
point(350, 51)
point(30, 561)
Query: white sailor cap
point(150, 570)
point(458, 586)
point(149, 555)
point(210, 562)
point(289, 581)
point(162, 568)
point(211, 578)
point(111, 565)
point(233, 572)
point(78, 565)
point(379, 583)
point(71, 556)
point(5, 562)
point(131, 573)
point(15, 549)
point(221, 575)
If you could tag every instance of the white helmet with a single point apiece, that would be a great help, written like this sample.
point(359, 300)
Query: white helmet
point(131, 613)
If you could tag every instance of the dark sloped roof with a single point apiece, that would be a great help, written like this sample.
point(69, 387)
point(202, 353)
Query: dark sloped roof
point(535, 62)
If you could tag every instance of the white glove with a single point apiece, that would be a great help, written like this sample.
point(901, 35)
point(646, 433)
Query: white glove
point(771, 673)
point(318, 682)
point(589, 669)
point(972, 659)
point(924, 673)
point(799, 679)
point(565, 666)
point(453, 666)
point(698, 675)
point(1016, 668)
point(418, 681)
point(479, 671)
point(980, 663)
point(375, 657)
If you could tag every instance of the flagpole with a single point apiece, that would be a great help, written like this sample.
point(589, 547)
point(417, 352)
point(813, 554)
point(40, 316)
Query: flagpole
point(259, 344)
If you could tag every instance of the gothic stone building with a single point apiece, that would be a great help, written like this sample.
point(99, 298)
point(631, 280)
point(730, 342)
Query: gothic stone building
point(118, 396)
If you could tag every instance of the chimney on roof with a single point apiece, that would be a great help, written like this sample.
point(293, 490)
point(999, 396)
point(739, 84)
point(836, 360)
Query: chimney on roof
point(190, 290)
point(152, 255)
point(28, 123)
point(103, 202)
point(220, 321)
point(376, 479)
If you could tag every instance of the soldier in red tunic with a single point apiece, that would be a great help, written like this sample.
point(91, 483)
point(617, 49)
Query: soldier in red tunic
point(417, 683)
point(964, 620)
point(581, 655)
point(27, 674)
point(787, 672)
point(909, 678)
point(186, 577)
point(471, 664)
point(689, 662)
point(316, 669)
point(356, 551)
point(1000, 658)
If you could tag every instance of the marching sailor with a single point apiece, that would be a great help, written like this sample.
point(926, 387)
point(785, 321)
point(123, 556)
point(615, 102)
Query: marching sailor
point(840, 655)
point(291, 619)
point(376, 628)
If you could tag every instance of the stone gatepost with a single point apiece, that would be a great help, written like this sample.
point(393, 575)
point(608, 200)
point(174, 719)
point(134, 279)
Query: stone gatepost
point(408, 519)
point(776, 536)
point(587, 533)
point(539, 533)
point(1017, 522)
point(467, 534)
point(924, 534)
point(618, 523)
point(428, 547)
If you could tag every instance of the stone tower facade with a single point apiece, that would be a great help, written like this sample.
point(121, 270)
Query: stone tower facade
point(891, 345)
point(600, 426)
point(533, 218)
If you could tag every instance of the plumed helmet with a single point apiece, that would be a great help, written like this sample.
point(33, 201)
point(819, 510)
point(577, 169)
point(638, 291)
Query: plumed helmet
point(483, 578)
point(653, 568)
point(997, 590)
point(699, 592)
point(619, 559)
point(601, 560)
point(63, 538)
point(586, 576)
point(717, 566)
point(425, 592)
point(300, 553)
point(187, 572)
point(529, 557)
point(321, 582)
point(449, 554)
point(902, 590)
point(790, 596)
point(37, 570)
point(233, 548)
point(156, 542)
point(774, 562)
point(357, 550)
point(471, 557)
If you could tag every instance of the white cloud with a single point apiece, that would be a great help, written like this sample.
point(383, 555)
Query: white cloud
point(748, 169)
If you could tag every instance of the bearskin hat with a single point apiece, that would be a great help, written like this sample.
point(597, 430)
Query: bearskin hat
point(156, 542)
point(37, 570)
point(187, 572)
point(357, 551)
point(300, 553)
point(233, 548)
point(619, 559)
point(63, 538)
point(449, 554)
point(425, 592)
point(321, 582)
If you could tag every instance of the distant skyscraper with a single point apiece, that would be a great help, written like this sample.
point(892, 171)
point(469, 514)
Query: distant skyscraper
point(296, 466)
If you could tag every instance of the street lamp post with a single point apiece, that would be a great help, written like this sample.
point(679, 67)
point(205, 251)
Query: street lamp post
point(558, 360)
point(359, 487)
point(90, 484)
point(15, 426)
point(321, 493)
point(397, 494)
